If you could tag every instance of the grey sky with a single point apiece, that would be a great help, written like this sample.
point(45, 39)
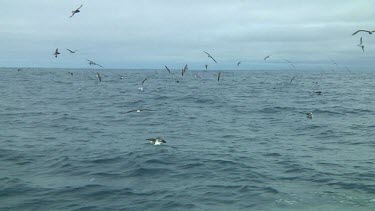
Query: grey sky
point(154, 33)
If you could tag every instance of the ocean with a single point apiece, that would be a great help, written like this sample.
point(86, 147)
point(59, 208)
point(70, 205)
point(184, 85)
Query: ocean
point(68, 142)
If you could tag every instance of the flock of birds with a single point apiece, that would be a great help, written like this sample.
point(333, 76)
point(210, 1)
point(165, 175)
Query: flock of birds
point(158, 140)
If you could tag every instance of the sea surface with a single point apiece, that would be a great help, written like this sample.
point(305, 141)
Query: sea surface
point(241, 143)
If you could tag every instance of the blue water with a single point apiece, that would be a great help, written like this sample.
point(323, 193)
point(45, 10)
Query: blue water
point(243, 143)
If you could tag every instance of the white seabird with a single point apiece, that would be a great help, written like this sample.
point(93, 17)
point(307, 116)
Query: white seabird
point(156, 141)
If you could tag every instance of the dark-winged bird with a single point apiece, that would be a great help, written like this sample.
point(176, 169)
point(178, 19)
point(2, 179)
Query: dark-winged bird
point(76, 11)
point(209, 56)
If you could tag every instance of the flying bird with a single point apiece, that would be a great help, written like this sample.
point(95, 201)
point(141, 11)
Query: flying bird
point(56, 52)
point(206, 66)
point(238, 64)
point(218, 76)
point(99, 77)
point(76, 11)
point(361, 45)
point(292, 79)
point(370, 32)
point(156, 141)
point(93, 63)
point(290, 63)
point(209, 56)
point(184, 70)
point(267, 57)
point(167, 69)
point(71, 50)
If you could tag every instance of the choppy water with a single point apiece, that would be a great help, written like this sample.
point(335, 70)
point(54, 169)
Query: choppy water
point(244, 143)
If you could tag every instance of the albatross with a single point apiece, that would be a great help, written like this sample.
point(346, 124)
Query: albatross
point(93, 63)
point(156, 141)
point(56, 52)
point(361, 45)
point(209, 56)
point(361, 30)
point(76, 11)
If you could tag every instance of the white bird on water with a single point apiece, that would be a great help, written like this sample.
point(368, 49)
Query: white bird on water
point(309, 115)
point(156, 141)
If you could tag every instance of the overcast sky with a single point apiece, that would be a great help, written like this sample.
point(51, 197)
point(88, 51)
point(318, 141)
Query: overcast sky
point(153, 33)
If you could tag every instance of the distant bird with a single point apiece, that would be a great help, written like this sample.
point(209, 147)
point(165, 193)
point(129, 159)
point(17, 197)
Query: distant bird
point(70, 73)
point(121, 77)
point(290, 63)
point(238, 64)
point(93, 63)
point(99, 77)
point(167, 69)
point(71, 50)
point(309, 115)
point(56, 52)
point(138, 110)
point(206, 66)
point(292, 79)
point(209, 56)
point(76, 11)
point(19, 69)
point(144, 80)
point(318, 92)
point(370, 32)
point(347, 69)
point(218, 76)
point(266, 57)
point(184, 70)
point(361, 44)
point(156, 141)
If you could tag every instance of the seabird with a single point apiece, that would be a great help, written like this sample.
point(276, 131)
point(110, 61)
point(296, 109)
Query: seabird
point(156, 141)
point(361, 45)
point(266, 57)
point(292, 79)
point(318, 92)
point(71, 50)
point(370, 32)
point(144, 80)
point(218, 76)
point(76, 11)
point(184, 70)
point(167, 69)
point(19, 69)
point(290, 63)
point(138, 110)
point(99, 77)
point(70, 73)
point(93, 63)
point(206, 66)
point(56, 52)
point(238, 64)
point(209, 56)
point(347, 69)
point(309, 115)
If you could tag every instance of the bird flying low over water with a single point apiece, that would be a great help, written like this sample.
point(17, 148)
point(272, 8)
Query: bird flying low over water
point(238, 64)
point(218, 76)
point(292, 79)
point(56, 52)
point(370, 32)
point(209, 56)
point(93, 63)
point(76, 11)
point(267, 57)
point(361, 45)
point(99, 77)
point(167, 69)
point(71, 50)
point(144, 80)
point(206, 66)
point(156, 141)
point(184, 70)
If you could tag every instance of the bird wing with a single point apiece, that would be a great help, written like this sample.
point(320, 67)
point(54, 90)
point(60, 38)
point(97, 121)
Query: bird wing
point(79, 7)
point(359, 31)
point(218, 76)
point(56, 51)
point(145, 79)
point(292, 79)
point(360, 41)
point(168, 69)
point(213, 59)
point(69, 50)
point(98, 65)
point(89, 60)
point(100, 78)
